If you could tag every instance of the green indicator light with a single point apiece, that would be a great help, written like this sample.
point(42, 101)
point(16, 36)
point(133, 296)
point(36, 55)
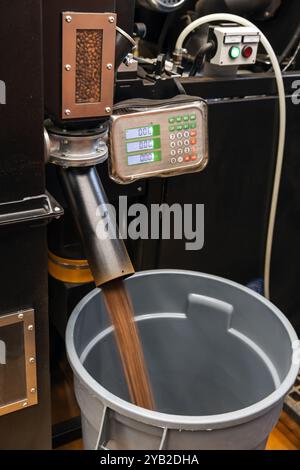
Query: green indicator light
point(179, 128)
point(172, 128)
point(193, 125)
point(171, 120)
point(186, 126)
point(185, 118)
point(179, 119)
point(235, 52)
point(193, 117)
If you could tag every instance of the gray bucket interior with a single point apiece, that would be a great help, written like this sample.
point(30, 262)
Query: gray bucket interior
point(211, 347)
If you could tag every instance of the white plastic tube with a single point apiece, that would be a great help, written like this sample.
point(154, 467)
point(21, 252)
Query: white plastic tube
point(282, 123)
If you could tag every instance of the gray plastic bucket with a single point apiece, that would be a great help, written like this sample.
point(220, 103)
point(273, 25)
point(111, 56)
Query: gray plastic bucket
point(220, 357)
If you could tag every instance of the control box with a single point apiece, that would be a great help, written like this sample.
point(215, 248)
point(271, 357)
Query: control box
point(161, 142)
point(235, 45)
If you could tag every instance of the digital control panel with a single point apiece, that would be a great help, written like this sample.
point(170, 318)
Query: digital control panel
point(236, 45)
point(160, 142)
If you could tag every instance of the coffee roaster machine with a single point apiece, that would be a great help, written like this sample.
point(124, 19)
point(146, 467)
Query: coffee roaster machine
point(66, 67)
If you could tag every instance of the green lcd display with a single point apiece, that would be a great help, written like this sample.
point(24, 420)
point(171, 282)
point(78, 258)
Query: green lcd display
point(143, 144)
point(143, 132)
point(148, 157)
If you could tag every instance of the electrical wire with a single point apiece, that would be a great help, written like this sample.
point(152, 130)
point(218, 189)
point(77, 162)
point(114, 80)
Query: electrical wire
point(290, 46)
point(292, 58)
point(282, 123)
point(199, 59)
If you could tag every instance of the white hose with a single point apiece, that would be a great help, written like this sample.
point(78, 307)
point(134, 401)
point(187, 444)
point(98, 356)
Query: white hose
point(282, 123)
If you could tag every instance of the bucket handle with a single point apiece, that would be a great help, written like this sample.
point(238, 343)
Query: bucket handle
point(102, 435)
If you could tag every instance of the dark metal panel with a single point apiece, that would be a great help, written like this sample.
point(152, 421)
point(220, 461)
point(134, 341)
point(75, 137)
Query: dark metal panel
point(125, 12)
point(235, 188)
point(285, 272)
point(23, 248)
point(23, 281)
point(21, 131)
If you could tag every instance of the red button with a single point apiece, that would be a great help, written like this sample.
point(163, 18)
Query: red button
point(193, 133)
point(194, 158)
point(193, 141)
point(186, 159)
point(247, 52)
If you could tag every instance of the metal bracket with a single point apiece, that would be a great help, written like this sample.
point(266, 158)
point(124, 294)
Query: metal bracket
point(30, 209)
point(102, 438)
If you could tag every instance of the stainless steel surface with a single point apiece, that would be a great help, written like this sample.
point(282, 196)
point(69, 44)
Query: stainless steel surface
point(123, 173)
point(26, 318)
point(72, 23)
point(77, 150)
point(107, 256)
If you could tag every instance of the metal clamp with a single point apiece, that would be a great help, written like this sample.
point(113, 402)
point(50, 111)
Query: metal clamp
point(77, 148)
point(102, 439)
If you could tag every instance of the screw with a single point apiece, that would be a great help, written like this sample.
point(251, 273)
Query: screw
point(68, 19)
point(25, 404)
point(109, 66)
point(68, 67)
point(108, 110)
point(111, 19)
point(20, 316)
point(33, 390)
point(67, 112)
point(30, 328)
point(32, 360)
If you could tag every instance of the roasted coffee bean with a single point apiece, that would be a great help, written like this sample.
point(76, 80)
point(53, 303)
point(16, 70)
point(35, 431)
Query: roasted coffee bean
point(88, 66)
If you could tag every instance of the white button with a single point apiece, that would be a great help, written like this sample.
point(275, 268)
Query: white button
point(186, 143)
point(172, 136)
point(173, 144)
point(179, 152)
point(180, 159)
point(187, 150)
point(180, 143)
point(173, 160)
point(186, 134)
point(173, 153)
point(179, 135)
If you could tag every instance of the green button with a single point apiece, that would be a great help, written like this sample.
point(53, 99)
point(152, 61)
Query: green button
point(186, 117)
point(172, 128)
point(171, 120)
point(193, 125)
point(186, 126)
point(179, 128)
point(235, 52)
point(193, 117)
point(179, 119)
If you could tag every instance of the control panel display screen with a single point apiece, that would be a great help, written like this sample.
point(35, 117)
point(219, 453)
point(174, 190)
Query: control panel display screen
point(140, 132)
point(144, 158)
point(139, 144)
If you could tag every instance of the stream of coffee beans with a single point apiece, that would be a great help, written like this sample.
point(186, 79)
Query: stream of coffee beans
point(119, 306)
